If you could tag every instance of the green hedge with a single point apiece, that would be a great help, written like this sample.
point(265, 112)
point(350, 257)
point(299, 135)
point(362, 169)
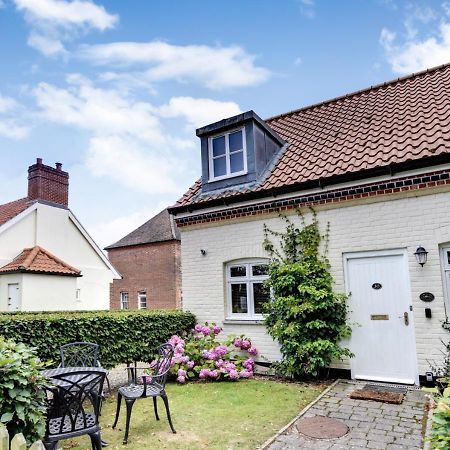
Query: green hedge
point(123, 336)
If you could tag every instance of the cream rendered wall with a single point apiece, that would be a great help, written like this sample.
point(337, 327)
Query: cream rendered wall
point(52, 229)
point(48, 292)
point(390, 224)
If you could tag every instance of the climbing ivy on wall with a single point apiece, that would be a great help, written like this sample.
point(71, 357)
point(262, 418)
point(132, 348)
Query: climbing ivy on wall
point(305, 316)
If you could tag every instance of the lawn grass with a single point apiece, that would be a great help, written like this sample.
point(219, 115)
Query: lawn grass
point(213, 416)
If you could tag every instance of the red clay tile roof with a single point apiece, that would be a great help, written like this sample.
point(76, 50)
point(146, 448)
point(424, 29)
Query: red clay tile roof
point(12, 209)
point(39, 260)
point(404, 120)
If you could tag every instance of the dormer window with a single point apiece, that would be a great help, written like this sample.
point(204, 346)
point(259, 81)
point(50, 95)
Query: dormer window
point(227, 155)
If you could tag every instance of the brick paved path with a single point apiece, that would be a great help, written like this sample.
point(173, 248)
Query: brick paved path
point(372, 425)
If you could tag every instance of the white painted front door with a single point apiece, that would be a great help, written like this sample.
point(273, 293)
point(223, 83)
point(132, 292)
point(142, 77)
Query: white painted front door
point(13, 297)
point(383, 332)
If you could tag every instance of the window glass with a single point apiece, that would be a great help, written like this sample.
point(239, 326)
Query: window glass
point(220, 167)
point(448, 258)
point(124, 300)
point(237, 162)
point(260, 296)
point(235, 141)
point(142, 298)
point(239, 298)
point(238, 271)
point(219, 146)
point(260, 269)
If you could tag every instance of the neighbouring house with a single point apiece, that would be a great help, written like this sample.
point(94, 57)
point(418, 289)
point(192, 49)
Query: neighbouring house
point(149, 261)
point(375, 164)
point(48, 261)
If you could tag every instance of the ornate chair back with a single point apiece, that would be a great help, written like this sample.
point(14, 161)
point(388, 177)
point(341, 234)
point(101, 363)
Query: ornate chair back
point(79, 354)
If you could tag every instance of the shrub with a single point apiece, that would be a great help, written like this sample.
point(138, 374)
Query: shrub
point(306, 317)
point(123, 336)
point(22, 397)
point(198, 354)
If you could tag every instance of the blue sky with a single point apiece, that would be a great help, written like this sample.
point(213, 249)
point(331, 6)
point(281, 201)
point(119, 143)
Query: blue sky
point(115, 89)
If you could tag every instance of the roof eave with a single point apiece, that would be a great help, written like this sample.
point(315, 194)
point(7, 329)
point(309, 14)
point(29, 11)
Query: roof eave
point(389, 169)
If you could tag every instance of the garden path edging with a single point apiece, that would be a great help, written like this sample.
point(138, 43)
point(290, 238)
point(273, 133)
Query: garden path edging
point(272, 439)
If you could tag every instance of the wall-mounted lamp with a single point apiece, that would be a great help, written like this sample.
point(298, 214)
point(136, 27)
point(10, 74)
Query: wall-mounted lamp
point(421, 255)
point(203, 252)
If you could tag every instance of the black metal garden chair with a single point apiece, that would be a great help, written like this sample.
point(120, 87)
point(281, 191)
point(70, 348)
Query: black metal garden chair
point(81, 354)
point(73, 405)
point(146, 386)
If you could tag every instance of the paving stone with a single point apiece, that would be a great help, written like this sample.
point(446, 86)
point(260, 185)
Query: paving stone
point(376, 445)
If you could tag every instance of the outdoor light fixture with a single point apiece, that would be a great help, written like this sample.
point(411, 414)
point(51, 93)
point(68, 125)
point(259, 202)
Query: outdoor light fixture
point(203, 252)
point(421, 255)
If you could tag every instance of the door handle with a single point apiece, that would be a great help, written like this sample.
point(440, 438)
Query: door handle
point(406, 318)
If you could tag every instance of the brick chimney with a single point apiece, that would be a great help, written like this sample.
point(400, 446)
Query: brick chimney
point(48, 183)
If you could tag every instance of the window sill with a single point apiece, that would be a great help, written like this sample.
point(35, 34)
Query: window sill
point(243, 322)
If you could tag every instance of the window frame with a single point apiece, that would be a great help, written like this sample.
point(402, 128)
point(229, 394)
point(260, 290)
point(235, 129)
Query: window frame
point(140, 295)
point(445, 269)
point(228, 173)
point(122, 294)
point(249, 280)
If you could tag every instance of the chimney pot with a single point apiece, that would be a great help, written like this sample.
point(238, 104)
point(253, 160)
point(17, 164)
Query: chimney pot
point(58, 167)
point(39, 161)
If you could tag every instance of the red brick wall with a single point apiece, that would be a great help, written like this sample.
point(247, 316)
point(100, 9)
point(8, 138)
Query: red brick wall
point(154, 268)
point(48, 183)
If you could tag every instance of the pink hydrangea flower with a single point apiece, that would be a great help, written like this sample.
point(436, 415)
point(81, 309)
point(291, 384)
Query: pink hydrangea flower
point(181, 379)
point(245, 373)
point(217, 329)
point(221, 350)
point(184, 359)
point(206, 331)
point(237, 342)
point(198, 328)
point(219, 363)
point(203, 373)
point(230, 366)
point(234, 375)
point(213, 374)
point(248, 364)
point(181, 373)
point(253, 351)
point(246, 344)
point(190, 364)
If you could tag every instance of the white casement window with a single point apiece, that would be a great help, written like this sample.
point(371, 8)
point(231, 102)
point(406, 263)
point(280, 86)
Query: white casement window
point(142, 300)
point(227, 155)
point(124, 304)
point(246, 290)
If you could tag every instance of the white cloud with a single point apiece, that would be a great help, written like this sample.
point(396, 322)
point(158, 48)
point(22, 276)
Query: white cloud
point(214, 67)
point(46, 45)
point(10, 119)
point(414, 54)
point(298, 61)
point(67, 13)
point(307, 8)
point(129, 140)
point(54, 22)
point(198, 111)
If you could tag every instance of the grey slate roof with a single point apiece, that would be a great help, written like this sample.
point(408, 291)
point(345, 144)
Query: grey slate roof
point(159, 228)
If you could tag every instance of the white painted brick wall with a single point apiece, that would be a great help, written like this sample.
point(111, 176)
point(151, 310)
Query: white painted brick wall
point(397, 223)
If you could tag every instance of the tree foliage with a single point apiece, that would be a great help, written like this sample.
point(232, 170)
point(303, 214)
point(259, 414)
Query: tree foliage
point(305, 315)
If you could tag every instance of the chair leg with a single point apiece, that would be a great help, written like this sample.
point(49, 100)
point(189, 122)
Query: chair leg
point(119, 402)
point(155, 407)
point(96, 441)
point(108, 384)
point(166, 403)
point(129, 403)
point(50, 445)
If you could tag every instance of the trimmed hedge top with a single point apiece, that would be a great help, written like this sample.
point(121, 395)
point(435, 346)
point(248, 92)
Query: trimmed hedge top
point(123, 336)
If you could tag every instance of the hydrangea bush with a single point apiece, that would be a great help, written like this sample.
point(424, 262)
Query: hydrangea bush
point(200, 355)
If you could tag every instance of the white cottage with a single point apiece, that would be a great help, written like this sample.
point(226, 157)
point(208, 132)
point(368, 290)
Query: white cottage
point(375, 164)
point(48, 261)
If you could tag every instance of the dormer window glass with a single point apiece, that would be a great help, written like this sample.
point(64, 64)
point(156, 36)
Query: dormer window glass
point(227, 155)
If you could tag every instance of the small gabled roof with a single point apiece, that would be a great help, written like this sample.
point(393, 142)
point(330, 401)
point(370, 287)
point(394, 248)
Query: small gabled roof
point(402, 122)
point(159, 228)
point(12, 209)
point(39, 260)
